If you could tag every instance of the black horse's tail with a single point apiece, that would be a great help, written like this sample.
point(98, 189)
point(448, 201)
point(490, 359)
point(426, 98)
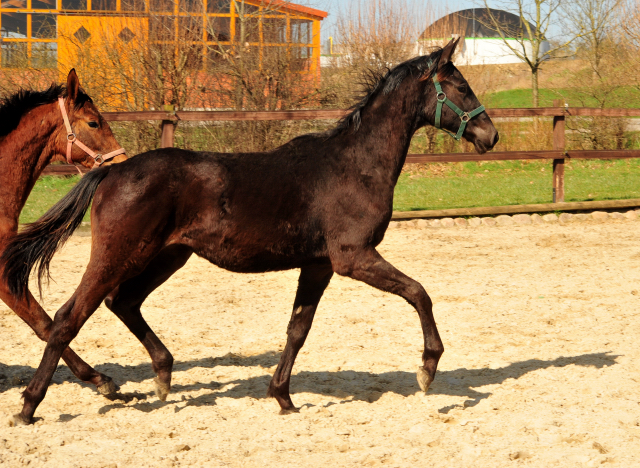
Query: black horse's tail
point(37, 243)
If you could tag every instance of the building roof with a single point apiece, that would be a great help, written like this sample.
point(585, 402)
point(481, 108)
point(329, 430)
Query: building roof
point(285, 5)
point(475, 22)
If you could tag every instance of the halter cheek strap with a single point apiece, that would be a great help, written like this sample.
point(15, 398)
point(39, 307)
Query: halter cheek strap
point(98, 158)
point(442, 98)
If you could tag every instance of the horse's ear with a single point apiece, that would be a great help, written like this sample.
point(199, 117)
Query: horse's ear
point(448, 52)
point(73, 85)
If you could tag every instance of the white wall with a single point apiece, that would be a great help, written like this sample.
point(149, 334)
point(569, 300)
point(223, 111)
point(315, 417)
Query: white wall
point(484, 51)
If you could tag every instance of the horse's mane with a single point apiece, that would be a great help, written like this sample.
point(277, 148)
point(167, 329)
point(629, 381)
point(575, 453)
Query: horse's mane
point(13, 107)
point(374, 82)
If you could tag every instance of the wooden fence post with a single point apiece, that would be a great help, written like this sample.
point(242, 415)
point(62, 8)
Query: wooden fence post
point(168, 130)
point(558, 164)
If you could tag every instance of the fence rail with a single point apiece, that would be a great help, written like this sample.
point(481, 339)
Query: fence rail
point(557, 154)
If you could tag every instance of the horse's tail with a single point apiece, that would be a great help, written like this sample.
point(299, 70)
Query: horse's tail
point(36, 244)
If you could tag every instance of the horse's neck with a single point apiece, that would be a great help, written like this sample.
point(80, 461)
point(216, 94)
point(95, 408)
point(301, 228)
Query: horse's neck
point(386, 130)
point(24, 153)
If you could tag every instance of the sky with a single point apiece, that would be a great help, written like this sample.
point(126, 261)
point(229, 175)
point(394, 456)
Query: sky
point(333, 7)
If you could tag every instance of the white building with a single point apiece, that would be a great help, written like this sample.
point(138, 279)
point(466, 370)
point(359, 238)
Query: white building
point(480, 43)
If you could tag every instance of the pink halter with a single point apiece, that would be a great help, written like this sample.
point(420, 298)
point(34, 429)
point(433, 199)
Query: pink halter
point(98, 158)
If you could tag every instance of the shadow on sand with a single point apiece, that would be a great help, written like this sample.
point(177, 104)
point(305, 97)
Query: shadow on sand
point(361, 386)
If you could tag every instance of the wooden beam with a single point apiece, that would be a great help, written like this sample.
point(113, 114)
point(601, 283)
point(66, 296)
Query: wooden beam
point(491, 156)
point(511, 209)
point(330, 114)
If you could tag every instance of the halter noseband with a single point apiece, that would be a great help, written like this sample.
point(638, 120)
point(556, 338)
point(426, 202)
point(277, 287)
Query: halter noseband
point(98, 158)
point(442, 98)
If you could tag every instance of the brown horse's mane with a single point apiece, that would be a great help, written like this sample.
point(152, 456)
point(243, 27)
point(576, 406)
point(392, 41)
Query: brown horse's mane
point(13, 107)
point(373, 82)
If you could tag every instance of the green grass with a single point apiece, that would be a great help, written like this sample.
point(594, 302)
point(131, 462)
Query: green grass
point(47, 191)
point(625, 97)
point(459, 185)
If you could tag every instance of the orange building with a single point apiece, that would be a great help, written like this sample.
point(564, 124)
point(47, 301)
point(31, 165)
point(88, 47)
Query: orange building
point(48, 34)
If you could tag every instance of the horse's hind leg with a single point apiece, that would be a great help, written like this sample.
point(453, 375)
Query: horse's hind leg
point(33, 315)
point(125, 302)
point(311, 285)
point(369, 266)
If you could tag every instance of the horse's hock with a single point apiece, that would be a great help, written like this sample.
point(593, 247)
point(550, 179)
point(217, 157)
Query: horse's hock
point(539, 323)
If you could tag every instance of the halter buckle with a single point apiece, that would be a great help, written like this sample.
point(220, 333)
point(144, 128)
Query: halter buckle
point(71, 137)
point(465, 117)
point(441, 94)
point(98, 159)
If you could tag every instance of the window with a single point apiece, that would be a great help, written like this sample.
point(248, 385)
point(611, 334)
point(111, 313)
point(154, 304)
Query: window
point(103, 5)
point(43, 26)
point(14, 55)
point(162, 28)
point(301, 31)
point(161, 5)
point(14, 25)
point(218, 6)
point(44, 4)
point(44, 55)
point(132, 5)
point(74, 4)
point(274, 30)
point(218, 29)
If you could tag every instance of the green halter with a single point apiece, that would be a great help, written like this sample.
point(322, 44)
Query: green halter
point(442, 98)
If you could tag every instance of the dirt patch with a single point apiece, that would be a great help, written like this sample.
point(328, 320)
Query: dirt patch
point(540, 325)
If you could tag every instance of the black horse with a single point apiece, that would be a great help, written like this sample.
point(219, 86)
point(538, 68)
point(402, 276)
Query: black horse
point(321, 203)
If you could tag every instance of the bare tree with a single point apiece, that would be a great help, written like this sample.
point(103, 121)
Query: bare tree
point(526, 39)
point(379, 34)
point(593, 23)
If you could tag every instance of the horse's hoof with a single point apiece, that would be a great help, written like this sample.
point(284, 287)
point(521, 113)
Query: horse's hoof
point(424, 379)
point(19, 420)
point(289, 411)
point(162, 389)
point(108, 388)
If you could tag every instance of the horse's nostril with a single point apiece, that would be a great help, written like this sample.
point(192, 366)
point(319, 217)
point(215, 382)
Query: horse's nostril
point(495, 139)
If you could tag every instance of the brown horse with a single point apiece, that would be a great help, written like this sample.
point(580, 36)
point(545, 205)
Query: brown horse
point(32, 135)
point(321, 203)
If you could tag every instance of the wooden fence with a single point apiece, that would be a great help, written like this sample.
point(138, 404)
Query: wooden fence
point(558, 155)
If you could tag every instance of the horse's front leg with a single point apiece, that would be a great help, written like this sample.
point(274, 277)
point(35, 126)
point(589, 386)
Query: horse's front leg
point(368, 266)
point(311, 285)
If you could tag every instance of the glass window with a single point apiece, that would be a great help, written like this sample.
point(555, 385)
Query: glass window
point(44, 4)
point(301, 31)
point(15, 4)
point(74, 4)
point(218, 29)
point(190, 28)
point(251, 29)
point(162, 28)
point(132, 5)
point(44, 55)
point(103, 5)
point(193, 6)
point(274, 30)
point(43, 26)
point(161, 5)
point(219, 6)
point(14, 25)
point(14, 55)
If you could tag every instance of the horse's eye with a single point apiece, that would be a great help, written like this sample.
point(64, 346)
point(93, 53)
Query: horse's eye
point(93, 124)
point(463, 89)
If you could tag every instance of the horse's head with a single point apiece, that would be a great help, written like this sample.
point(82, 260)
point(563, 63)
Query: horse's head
point(452, 105)
point(88, 130)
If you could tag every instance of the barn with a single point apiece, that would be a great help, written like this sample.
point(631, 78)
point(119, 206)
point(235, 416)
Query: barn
point(481, 43)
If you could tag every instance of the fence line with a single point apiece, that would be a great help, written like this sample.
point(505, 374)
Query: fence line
point(557, 154)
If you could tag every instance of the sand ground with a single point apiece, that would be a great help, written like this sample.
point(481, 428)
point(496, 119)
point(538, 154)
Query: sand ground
point(541, 368)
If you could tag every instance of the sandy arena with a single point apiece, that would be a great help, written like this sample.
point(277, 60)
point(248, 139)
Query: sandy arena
point(541, 326)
